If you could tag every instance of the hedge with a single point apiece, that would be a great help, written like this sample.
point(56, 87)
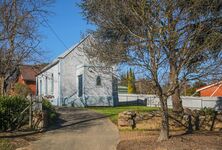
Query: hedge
point(10, 110)
point(51, 112)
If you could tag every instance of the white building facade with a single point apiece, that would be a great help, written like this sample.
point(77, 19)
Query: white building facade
point(72, 80)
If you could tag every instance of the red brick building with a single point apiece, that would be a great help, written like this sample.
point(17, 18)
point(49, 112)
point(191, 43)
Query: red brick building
point(27, 76)
point(212, 90)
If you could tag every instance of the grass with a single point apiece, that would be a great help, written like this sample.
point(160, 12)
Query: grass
point(113, 112)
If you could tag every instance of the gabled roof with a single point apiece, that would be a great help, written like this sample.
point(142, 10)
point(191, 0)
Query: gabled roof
point(29, 72)
point(63, 55)
point(209, 86)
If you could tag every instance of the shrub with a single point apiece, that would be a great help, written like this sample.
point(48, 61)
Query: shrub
point(10, 109)
point(50, 109)
point(22, 89)
point(208, 111)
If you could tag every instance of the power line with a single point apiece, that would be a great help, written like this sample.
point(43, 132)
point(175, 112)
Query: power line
point(54, 32)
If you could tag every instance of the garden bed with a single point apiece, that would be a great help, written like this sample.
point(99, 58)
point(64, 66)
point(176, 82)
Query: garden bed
point(147, 140)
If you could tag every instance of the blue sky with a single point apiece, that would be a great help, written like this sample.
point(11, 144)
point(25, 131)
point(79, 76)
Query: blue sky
point(68, 23)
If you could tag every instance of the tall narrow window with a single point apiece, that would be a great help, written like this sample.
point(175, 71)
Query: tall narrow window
point(52, 84)
point(40, 92)
point(46, 86)
point(37, 87)
point(80, 86)
point(98, 81)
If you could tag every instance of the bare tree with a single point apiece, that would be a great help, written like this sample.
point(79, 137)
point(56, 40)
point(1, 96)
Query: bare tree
point(19, 36)
point(174, 39)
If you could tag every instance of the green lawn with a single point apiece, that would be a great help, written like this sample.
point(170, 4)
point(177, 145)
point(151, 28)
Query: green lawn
point(113, 112)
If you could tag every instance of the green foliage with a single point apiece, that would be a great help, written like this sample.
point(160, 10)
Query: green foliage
point(131, 82)
point(208, 111)
point(191, 89)
point(10, 109)
point(50, 109)
point(22, 90)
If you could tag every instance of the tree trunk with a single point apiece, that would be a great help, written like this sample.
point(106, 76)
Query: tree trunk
point(1, 85)
point(164, 132)
point(176, 100)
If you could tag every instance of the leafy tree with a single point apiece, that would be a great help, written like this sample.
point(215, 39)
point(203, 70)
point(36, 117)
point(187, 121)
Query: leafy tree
point(175, 39)
point(131, 82)
point(192, 89)
point(134, 82)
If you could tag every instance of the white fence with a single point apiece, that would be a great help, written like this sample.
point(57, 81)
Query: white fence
point(188, 101)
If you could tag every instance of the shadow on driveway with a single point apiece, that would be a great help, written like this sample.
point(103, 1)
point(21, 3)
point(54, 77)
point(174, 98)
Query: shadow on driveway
point(68, 119)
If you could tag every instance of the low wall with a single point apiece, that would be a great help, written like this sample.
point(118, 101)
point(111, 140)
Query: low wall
point(189, 120)
point(188, 101)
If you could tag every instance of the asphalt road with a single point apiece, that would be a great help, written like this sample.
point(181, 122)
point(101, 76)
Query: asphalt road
point(78, 129)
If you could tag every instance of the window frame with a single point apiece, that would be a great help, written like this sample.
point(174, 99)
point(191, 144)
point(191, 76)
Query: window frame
point(80, 87)
point(40, 87)
point(98, 80)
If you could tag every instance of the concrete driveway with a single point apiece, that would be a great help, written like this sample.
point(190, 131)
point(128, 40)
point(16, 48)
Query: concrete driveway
point(79, 129)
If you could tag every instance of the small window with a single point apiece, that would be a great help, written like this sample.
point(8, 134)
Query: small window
point(98, 81)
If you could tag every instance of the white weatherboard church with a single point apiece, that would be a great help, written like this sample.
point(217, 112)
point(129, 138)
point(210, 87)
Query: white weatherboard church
point(72, 80)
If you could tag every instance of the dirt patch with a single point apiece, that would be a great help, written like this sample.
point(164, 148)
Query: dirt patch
point(147, 140)
point(12, 141)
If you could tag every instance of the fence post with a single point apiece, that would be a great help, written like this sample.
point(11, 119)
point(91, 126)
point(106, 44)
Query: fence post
point(30, 110)
point(201, 103)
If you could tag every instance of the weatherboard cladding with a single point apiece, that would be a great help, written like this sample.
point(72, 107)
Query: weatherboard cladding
point(63, 55)
point(72, 63)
